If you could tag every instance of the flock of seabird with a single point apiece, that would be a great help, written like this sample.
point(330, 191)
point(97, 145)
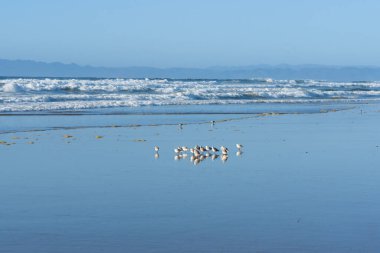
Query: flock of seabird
point(199, 153)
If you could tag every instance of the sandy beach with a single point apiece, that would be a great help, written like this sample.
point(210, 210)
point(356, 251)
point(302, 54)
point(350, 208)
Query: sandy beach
point(305, 182)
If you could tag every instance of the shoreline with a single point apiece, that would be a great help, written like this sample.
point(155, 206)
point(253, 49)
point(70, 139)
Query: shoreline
point(114, 120)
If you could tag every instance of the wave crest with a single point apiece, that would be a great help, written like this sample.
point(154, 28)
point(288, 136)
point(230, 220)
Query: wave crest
point(33, 94)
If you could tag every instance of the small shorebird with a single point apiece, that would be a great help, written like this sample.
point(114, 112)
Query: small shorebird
point(239, 146)
point(177, 150)
point(184, 148)
point(214, 149)
point(212, 122)
point(196, 152)
point(224, 150)
point(156, 148)
point(202, 149)
point(180, 125)
point(207, 148)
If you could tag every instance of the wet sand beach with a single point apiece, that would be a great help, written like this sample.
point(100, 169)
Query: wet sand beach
point(304, 183)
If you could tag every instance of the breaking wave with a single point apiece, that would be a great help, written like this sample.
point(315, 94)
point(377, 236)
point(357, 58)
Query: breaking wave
point(36, 94)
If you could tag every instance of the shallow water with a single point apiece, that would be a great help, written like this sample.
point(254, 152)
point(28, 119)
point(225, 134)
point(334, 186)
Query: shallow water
point(151, 116)
point(305, 183)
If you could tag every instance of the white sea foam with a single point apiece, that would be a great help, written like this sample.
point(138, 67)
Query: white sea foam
point(23, 94)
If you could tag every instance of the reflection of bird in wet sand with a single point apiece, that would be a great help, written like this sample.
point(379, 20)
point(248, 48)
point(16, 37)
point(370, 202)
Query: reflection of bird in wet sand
point(156, 155)
point(224, 158)
point(239, 153)
point(214, 156)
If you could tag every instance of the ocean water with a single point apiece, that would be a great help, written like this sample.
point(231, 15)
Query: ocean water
point(131, 95)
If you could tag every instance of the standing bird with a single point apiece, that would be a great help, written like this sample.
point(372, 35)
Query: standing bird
point(212, 122)
point(224, 150)
point(214, 149)
point(156, 148)
point(196, 153)
point(177, 150)
point(239, 146)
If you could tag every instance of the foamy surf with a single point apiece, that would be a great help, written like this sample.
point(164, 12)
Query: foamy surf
point(34, 94)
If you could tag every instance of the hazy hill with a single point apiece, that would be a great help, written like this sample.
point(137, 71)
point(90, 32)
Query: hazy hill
point(320, 72)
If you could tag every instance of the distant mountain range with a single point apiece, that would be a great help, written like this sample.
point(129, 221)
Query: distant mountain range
point(28, 68)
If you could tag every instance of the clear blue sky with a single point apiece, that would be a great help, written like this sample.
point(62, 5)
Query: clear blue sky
point(191, 33)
